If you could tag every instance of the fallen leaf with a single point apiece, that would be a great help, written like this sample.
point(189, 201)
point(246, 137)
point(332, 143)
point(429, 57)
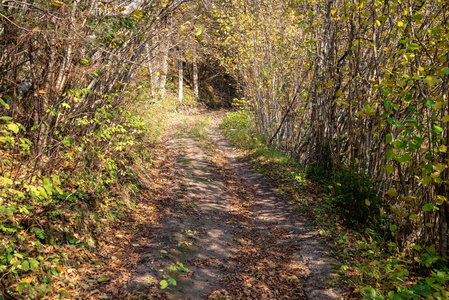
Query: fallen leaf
point(293, 277)
point(103, 279)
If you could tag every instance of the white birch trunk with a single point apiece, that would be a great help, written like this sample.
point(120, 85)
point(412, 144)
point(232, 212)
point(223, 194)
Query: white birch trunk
point(181, 79)
point(163, 78)
point(195, 80)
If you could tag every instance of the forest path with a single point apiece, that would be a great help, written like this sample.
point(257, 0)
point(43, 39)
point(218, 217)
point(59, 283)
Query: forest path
point(225, 232)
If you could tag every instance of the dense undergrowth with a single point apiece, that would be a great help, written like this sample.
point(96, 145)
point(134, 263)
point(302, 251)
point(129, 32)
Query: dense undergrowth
point(51, 216)
point(347, 208)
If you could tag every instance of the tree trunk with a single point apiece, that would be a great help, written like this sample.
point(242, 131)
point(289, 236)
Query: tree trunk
point(163, 77)
point(181, 77)
point(195, 80)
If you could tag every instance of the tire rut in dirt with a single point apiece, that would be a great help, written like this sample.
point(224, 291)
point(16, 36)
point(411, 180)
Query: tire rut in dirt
point(280, 256)
point(265, 266)
point(191, 244)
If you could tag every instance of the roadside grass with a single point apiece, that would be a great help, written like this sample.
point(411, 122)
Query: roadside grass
point(346, 209)
point(197, 127)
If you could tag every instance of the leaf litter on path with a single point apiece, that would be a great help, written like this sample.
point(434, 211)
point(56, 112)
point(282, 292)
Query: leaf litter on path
point(233, 236)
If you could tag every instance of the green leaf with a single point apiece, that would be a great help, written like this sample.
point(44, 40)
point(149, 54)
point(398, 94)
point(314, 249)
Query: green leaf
point(431, 80)
point(405, 158)
point(4, 103)
point(417, 139)
point(34, 264)
point(413, 46)
point(103, 279)
point(21, 286)
point(25, 265)
point(413, 216)
point(43, 192)
point(390, 154)
point(437, 128)
point(172, 281)
point(63, 293)
point(422, 290)
point(428, 207)
point(6, 180)
point(389, 138)
point(426, 180)
point(393, 228)
point(13, 127)
point(44, 288)
point(390, 170)
point(163, 284)
point(198, 32)
point(181, 268)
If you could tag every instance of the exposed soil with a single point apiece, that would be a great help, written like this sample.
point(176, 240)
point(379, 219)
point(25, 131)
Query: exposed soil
point(222, 232)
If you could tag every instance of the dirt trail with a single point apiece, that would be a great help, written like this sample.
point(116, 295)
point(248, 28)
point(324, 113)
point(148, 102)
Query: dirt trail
point(226, 234)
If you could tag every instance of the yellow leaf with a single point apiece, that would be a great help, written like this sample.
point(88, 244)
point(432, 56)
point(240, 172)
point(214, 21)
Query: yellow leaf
point(122, 9)
point(367, 203)
point(445, 119)
point(56, 3)
point(443, 148)
point(431, 80)
point(293, 277)
point(42, 92)
point(392, 192)
point(439, 167)
point(137, 14)
point(435, 175)
point(27, 280)
point(440, 200)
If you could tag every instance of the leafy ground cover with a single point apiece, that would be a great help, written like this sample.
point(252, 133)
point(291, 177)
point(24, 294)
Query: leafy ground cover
point(346, 209)
point(64, 225)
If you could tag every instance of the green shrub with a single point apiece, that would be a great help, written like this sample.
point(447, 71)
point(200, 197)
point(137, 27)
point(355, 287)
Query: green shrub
point(357, 198)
